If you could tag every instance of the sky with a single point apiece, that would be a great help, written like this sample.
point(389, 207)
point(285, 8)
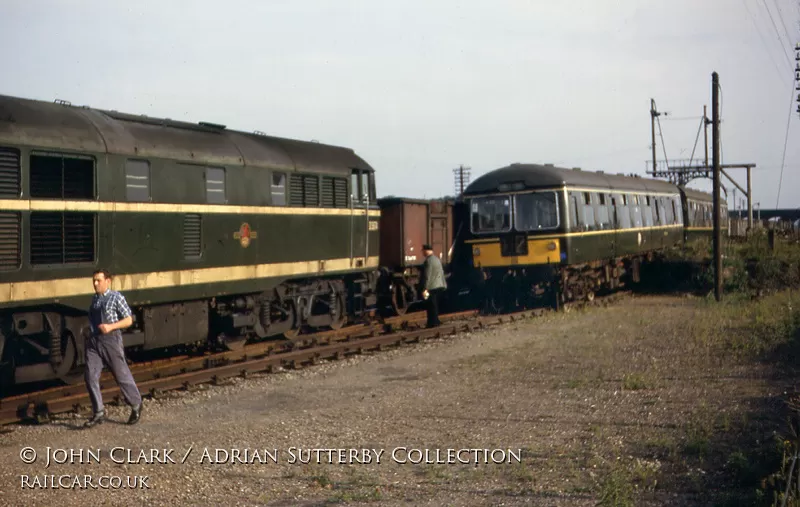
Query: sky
point(421, 87)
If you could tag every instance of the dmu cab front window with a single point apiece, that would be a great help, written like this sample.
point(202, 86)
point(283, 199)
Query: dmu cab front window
point(491, 214)
point(535, 212)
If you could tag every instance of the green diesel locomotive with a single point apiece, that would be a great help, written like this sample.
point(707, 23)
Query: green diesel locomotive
point(211, 234)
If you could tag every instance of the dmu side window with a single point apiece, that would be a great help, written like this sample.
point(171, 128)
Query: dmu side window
point(62, 238)
point(573, 212)
point(537, 211)
point(647, 212)
point(623, 214)
point(589, 223)
point(636, 211)
point(137, 180)
point(58, 176)
point(215, 185)
point(491, 214)
point(603, 221)
point(278, 189)
point(10, 187)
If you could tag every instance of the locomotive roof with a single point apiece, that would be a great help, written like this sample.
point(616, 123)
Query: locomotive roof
point(51, 125)
point(533, 176)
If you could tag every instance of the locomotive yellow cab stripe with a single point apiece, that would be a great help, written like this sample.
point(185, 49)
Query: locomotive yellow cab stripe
point(586, 233)
point(68, 287)
point(147, 207)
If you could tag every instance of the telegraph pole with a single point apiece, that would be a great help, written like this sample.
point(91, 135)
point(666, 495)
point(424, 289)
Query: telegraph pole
point(461, 179)
point(705, 128)
point(653, 114)
point(717, 207)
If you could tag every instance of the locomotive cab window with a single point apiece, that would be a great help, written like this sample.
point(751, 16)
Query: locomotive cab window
point(61, 176)
point(278, 189)
point(491, 214)
point(537, 211)
point(362, 188)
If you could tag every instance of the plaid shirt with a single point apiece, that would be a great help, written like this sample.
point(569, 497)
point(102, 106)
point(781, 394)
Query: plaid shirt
point(109, 308)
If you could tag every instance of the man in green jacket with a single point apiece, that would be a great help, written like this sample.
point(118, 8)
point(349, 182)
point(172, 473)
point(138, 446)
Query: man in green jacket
point(433, 284)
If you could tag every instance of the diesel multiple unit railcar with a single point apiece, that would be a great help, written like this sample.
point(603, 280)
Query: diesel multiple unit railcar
point(211, 234)
point(537, 230)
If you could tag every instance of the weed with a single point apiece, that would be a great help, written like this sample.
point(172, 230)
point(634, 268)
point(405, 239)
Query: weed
point(634, 382)
point(617, 489)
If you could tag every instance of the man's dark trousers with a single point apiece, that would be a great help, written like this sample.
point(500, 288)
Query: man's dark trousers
point(433, 307)
point(108, 348)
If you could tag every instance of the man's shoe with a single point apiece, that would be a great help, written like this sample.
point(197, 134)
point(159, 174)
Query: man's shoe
point(136, 413)
point(97, 418)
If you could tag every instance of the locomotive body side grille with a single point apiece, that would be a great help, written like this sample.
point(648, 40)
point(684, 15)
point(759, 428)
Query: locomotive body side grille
point(62, 238)
point(192, 236)
point(9, 173)
point(9, 241)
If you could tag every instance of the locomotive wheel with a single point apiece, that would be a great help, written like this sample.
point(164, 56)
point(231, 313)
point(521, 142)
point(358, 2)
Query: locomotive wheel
point(399, 300)
point(67, 372)
point(291, 316)
point(233, 343)
point(339, 318)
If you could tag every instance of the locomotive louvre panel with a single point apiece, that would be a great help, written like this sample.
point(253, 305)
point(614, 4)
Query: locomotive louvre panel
point(192, 236)
point(334, 192)
point(296, 190)
point(9, 173)
point(62, 238)
point(311, 191)
point(10, 243)
point(304, 190)
point(61, 176)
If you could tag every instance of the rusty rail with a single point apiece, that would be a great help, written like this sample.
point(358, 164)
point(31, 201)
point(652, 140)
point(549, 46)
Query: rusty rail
point(33, 405)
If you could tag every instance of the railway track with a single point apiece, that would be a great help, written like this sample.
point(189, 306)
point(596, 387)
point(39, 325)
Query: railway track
point(184, 372)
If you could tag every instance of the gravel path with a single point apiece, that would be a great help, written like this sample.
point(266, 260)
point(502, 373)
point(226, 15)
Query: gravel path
point(552, 390)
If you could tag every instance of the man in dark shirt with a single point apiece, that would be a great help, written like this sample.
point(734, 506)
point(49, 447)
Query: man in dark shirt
point(108, 314)
point(433, 284)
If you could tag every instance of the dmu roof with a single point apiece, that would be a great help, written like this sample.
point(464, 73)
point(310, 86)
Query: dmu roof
point(533, 176)
point(64, 127)
point(697, 195)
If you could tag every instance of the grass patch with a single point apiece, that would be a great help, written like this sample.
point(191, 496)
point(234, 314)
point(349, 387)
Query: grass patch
point(616, 489)
point(634, 382)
